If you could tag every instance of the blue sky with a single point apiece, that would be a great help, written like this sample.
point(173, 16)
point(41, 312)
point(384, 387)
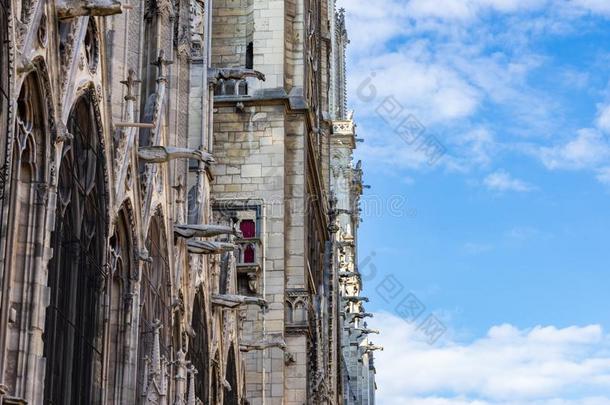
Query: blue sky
point(505, 238)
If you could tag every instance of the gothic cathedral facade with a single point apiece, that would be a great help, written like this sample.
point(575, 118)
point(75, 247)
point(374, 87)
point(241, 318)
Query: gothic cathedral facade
point(179, 205)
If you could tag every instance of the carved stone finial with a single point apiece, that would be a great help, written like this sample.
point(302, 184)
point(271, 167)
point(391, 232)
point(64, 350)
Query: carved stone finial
point(144, 256)
point(156, 349)
point(161, 63)
point(130, 83)
point(181, 377)
point(62, 134)
point(192, 372)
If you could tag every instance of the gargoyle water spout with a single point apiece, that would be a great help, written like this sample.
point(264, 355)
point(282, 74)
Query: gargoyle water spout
point(263, 344)
point(79, 8)
point(162, 154)
point(356, 298)
point(204, 247)
point(233, 73)
point(204, 231)
point(233, 301)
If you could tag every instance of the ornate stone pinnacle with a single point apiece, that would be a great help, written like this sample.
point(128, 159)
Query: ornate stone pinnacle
point(130, 83)
point(161, 63)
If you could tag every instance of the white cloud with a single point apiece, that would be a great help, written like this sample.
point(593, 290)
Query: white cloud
point(432, 91)
point(468, 9)
point(587, 150)
point(603, 175)
point(601, 7)
point(603, 117)
point(502, 181)
point(508, 366)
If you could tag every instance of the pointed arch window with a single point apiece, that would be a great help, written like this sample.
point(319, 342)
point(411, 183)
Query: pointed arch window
point(73, 338)
point(121, 267)
point(248, 228)
point(155, 300)
point(230, 396)
point(198, 353)
point(26, 213)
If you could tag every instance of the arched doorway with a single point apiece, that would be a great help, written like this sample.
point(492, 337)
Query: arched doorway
point(198, 353)
point(72, 337)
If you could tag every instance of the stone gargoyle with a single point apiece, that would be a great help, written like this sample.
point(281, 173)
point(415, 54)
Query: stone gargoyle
point(360, 315)
point(204, 247)
point(356, 298)
point(276, 341)
point(162, 154)
point(204, 231)
point(79, 8)
point(367, 331)
point(371, 348)
point(233, 301)
point(233, 73)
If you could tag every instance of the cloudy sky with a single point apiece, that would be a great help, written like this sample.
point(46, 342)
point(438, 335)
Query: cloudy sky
point(487, 146)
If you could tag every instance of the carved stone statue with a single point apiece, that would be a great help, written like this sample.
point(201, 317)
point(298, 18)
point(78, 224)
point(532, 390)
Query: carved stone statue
point(233, 73)
point(204, 231)
point(233, 301)
point(79, 8)
point(276, 341)
point(204, 247)
point(162, 154)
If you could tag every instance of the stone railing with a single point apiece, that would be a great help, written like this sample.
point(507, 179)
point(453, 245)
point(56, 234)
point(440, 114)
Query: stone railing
point(343, 127)
point(231, 87)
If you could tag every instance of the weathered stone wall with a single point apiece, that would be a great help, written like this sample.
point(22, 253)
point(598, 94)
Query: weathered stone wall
point(88, 54)
point(251, 147)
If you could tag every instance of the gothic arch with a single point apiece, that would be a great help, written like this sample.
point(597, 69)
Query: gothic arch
point(231, 396)
point(155, 298)
point(26, 219)
point(73, 342)
point(214, 379)
point(5, 91)
point(122, 267)
point(198, 353)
